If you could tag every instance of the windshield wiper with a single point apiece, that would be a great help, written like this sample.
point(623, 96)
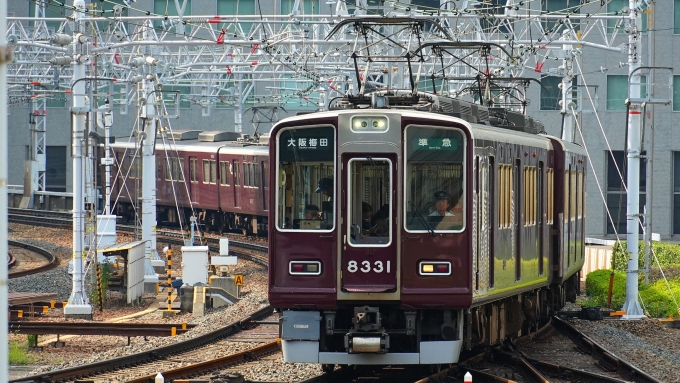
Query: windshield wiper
point(422, 218)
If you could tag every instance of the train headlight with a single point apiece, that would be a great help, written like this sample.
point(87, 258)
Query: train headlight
point(434, 268)
point(369, 124)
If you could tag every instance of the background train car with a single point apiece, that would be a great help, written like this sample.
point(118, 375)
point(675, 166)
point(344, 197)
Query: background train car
point(491, 267)
point(217, 176)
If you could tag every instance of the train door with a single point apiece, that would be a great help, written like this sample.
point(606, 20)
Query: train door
point(237, 184)
point(517, 219)
point(369, 256)
point(482, 207)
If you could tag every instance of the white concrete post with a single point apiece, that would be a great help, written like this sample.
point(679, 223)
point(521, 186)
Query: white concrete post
point(149, 178)
point(4, 174)
point(78, 303)
point(633, 149)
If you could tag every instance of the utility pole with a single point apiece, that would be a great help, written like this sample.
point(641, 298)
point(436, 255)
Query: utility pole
point(78, 303)
point(633, 150)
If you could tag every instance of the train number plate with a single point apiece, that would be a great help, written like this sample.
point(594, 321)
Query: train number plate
point(367, 267)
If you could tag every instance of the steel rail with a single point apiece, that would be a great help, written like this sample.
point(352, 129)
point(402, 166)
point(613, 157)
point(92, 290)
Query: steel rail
point(90, 328)
point(603, 355)
point(214, 364)
point(146, 356)
point(52, 260)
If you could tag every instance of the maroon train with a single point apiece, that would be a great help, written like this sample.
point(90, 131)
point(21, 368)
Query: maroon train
point(219, 177)
point(481, 239)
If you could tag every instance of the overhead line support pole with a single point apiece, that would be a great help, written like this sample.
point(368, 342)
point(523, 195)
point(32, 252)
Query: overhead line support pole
point(633, 151)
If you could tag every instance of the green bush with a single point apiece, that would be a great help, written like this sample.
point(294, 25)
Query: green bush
point(666, 254)
point(656, 297)
point(597, 288)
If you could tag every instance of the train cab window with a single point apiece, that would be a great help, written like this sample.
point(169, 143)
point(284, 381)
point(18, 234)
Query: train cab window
point(369, 189)
point(435, 180)
point(306, 187)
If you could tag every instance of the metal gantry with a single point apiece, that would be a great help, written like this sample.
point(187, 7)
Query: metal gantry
point(461, 48)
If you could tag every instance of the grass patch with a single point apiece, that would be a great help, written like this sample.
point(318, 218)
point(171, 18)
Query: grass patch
point(18, 354)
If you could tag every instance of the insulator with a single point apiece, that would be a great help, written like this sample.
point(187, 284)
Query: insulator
point(84, 59)
point(12, 40)
point(60, 60)
point(151, 61)
point(136, 78)
point(61, 39)
point(137, 61)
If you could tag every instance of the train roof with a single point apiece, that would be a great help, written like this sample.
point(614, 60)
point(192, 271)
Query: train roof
point(231, 147)
point(478, 131)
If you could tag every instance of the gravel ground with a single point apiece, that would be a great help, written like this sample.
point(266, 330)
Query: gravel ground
point(646, 344)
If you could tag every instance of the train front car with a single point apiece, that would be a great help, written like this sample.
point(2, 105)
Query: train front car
point(370, 239)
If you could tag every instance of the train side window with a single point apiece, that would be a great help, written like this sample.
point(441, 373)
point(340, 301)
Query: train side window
point(193, 169)
point(306, 186)
point(209, 172)
point(435, 180)
point(224, 173)
point(237, 173)
point(135, 166)
point(175, 170)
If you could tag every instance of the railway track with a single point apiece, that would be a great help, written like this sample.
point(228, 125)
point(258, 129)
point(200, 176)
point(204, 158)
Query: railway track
point(99, 328)
point(248, 250)
point(52, 260)
point(138, 365)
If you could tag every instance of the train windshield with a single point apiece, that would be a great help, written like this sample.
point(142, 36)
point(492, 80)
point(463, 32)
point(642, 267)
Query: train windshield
point(306, 187)
point(369, 201)
point(434, 194)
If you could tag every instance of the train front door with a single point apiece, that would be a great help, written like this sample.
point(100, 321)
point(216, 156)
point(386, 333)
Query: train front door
point(369, 245)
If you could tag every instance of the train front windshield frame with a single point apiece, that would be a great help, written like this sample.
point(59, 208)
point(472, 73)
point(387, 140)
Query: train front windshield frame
point(434, 177)
point(306, 186)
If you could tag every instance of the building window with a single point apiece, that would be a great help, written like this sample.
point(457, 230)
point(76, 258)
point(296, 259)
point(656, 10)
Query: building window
point(55, 169)
point(676, 17)
point(167, 8)
point(240, 7)
point(616, 193)
point(676, 93)
point(617, 92)
point(551, 94)
point(308, 7)
point(615, 8)
point(558, 7)
point(676, 192)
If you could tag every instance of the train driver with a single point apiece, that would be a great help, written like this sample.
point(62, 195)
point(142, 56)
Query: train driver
point(442, 204)
point(325, 186)
point(311, 212)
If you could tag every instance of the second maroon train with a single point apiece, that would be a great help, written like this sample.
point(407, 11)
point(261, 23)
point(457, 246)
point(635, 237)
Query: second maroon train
point(218, 177)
